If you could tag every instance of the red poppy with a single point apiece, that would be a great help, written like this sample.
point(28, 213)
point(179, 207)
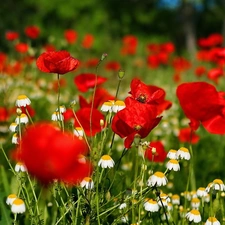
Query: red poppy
point(159, 155)
point(149, 94)
point(212, 40)
point(101, 96)
point(153, 61)
point(85, 81)
point(49, 48)
point(90, 127)
point(70, 36)
point(91, 62)
point(11, 35)
point(167, 47)
point(50, 154)
point(130, 43)
point(22, 47)
point(13, 68)
point(32, 31)
point(200, 71)
point(113, 65)
point(215, 73)
point(88, 41)
point(4, 115)
point(59, 62)
point(200, 102)
point(181, 64)
point(187, 134)
point(135, 118)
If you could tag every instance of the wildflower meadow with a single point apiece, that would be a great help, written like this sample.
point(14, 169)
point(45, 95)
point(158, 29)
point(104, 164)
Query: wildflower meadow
point(131, 135)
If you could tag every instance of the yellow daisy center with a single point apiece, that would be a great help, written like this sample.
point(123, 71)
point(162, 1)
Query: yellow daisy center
point(218, 181)
point(18, 202)
point(184, 149)
point(195, 212)
point(22, 97)
point(212, 219)
point(88, 179)
point(173, 161)
point(106, 157)
point(159, 174)
point(12, 196)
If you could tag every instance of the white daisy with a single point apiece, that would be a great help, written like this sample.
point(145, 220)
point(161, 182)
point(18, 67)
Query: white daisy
point(173, 164)
point(22, 100)
point(20, 167)
point(10, 199)
point(23, 118)
point(87, 182)
point(172, 154)
point(57, 116)
point(212, 221)
point(106, 162)
point(18, 206)
point(183, 153)
point(151, 205)
point(158, 179)
point(194, 216)
point(78, 131)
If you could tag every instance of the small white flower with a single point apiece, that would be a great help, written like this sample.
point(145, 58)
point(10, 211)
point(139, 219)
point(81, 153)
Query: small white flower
point(106, 162)
point(107, 106)
point(172, 154)
point(20, 167)
point(217, 185)
point(15, 139)
point(10, 199)
point(13, 127)
point(22, 101)
point(201, 192)
point(175, 199)
point(18, 206)
point(183, 153)
point(173, 164)
point(61, 109)
point(158, 179)
point(57, 116)
point(151, 205)
point(23, 118)
point(113, 106)
point(123, 205)
point(195, 203)
point(87, 182)
point(78, 131)
point(212, 221)
point(118, 105)
point(194, 216)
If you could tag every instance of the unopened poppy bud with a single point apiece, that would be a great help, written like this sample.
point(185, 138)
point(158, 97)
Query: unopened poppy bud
point(18, 111)
point(101, 123)
point(121, 74)
point(104, 55)
point(73, 103)
point(153, 150)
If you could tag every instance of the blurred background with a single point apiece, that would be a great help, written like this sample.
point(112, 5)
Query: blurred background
point(180, 21)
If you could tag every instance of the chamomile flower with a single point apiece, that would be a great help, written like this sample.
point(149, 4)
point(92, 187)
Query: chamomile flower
point(10, 199)
point(78, 131)
point(158, 179)
point(18, 206)
point(22, 101)
point(57, 116)
point(106, 162)
point(175, 199)
point(118, 105)
point(201, 192)
point(172, 154)
point(173, 164)
point(87, 182)
point(212, 221)
point(195, 203)
point(123, 205)
point(23, 118)
point(20, 167)
point(151, 205)
point(13, 127)
point(61, 109)
point(15, 139)
point(194, 216)
point(183, 153)
point(107, 106)
point(217, 185)
point(113, 106)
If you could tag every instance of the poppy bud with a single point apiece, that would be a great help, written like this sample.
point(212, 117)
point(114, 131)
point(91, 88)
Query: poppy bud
point(121, 74)
point(104, 55)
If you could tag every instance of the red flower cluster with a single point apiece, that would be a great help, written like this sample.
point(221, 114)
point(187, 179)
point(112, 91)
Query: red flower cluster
point(59, 62)
point(140, 115)
point(21, 47)
point(202, 103)
point(159, 54)
point(211, 41)
point(130, 43)
point(11, 35)
point(52, 155)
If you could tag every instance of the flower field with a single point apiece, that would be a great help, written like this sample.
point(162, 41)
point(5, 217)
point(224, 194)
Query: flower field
point(131, 135)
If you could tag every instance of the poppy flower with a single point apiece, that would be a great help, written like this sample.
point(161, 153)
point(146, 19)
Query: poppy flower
point(200, 71)
point(32, 31)
point(181, 64)
point(11, 35)
point(135, 118)
point(4, 114)
point(85, 81)
point(149, 94)
point(70, 36)
point(200, 102)
point(159, 155)
point(90, 127)
point(21, 47)
point(113, 66)
point(50, 154)
point(214, 74)
point(130, 43)
point(188, 135)
point(87, 41)
point(153, 61)
point(59, 62)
